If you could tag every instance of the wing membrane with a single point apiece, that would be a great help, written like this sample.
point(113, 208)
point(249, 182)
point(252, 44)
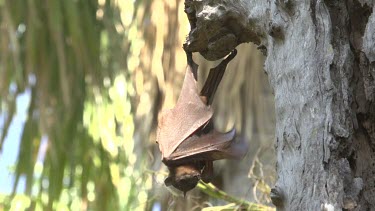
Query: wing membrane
point(211, 146)
point(189, 114)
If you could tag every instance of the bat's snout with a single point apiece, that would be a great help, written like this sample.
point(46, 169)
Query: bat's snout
point(184, 177)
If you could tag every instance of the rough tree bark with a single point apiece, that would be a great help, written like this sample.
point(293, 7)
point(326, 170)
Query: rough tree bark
point(321, 66)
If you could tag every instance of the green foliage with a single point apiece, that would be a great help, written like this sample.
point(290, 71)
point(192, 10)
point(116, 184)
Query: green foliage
point(70, 55)
point(235, 204)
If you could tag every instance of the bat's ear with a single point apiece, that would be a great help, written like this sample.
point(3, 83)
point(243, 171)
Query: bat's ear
point(168, 181)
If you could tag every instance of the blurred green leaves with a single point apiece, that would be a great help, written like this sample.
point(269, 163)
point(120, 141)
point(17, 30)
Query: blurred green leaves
point(235, 203)
point(77, 148)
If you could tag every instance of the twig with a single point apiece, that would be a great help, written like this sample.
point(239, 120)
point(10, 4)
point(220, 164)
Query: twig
point(214, 192)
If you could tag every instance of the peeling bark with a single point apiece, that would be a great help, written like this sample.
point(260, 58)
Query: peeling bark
point(321, 66)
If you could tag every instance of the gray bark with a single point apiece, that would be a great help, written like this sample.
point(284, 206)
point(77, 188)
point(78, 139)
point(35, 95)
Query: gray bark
point(320, 60)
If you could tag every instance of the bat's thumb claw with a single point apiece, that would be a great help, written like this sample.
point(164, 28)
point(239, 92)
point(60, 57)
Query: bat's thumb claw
point(241, 146)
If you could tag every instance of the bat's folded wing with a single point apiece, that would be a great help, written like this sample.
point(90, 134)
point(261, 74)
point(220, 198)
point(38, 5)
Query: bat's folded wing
point(189, 114)
point(211, 146)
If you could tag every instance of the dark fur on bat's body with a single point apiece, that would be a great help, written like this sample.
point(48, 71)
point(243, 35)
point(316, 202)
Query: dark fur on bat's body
point(191, 157)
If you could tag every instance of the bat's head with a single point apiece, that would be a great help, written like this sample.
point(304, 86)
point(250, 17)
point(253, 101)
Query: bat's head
point(184, 177)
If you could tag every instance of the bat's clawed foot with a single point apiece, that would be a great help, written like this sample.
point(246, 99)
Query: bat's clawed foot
point(231, 56)
point(214, 78)
point(191, 64)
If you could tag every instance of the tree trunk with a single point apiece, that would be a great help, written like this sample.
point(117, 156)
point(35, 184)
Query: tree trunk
point(321, 66)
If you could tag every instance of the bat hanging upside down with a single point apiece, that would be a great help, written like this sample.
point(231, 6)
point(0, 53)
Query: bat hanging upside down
point(186, 136)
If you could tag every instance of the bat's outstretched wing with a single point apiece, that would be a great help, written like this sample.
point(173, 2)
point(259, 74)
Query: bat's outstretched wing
point(189, 114)
point(211, 146)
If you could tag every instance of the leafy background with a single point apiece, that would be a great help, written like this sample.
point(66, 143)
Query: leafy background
point(81, 85)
